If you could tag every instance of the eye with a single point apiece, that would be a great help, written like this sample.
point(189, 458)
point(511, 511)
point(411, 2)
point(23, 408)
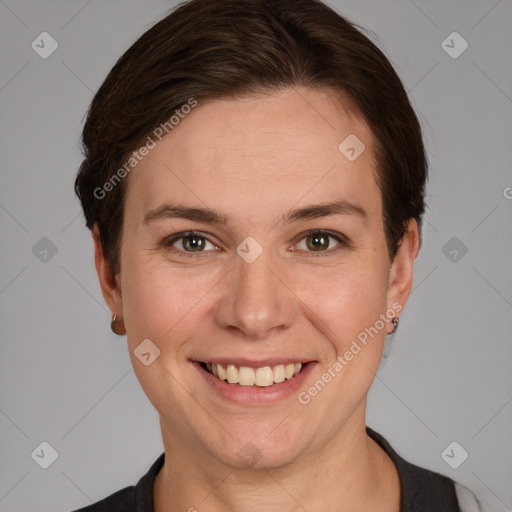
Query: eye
point(320, 241)
point(188, 242)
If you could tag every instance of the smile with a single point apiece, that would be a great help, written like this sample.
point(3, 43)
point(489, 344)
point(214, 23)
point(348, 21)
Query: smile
point(246, 376)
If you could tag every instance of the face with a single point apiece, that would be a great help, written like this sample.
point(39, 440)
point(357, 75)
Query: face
point(287, 264)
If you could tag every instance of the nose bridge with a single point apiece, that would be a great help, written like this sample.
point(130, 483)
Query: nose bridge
point(257, 301)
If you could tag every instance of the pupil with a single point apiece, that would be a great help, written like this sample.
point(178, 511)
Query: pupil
point(318, 241)
point(194, 242)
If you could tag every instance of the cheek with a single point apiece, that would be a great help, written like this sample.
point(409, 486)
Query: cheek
point(346, 301)
point(166, 308)
point(346, 307)
point(163, 304)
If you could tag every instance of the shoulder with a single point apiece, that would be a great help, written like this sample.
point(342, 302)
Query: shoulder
point(135, 498)
point(424, 490)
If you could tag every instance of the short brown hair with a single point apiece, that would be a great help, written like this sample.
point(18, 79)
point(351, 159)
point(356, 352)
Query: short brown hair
point(212, 49)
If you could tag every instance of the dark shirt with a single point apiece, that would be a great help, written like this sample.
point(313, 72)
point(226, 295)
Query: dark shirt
point(422, 490)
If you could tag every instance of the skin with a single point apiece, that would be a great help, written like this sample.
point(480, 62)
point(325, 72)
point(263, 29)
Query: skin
point(253, 160)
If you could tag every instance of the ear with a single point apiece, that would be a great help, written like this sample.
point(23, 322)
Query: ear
point(402, 269)
point(109, 282)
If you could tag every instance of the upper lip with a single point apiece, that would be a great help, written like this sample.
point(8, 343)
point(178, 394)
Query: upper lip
point(252, 363)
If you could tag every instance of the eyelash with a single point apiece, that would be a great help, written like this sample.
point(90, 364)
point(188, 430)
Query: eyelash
point(169, 241)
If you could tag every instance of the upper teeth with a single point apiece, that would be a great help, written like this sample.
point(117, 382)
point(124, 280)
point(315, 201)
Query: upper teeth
point(247, 376)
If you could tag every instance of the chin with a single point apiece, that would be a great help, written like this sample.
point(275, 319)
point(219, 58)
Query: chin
point(257, 450)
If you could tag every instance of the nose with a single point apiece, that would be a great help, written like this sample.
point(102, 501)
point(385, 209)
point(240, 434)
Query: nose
point(257, 300)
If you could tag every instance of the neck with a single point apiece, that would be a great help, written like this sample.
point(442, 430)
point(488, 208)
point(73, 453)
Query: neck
point(350, 470)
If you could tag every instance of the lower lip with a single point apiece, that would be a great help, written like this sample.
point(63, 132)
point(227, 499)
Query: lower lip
point(255, 395)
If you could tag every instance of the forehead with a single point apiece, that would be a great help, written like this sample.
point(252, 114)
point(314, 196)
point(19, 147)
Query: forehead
point(267, 150)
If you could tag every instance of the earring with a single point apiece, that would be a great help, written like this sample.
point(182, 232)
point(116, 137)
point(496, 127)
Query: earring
point(117, 327)
point(394, 321)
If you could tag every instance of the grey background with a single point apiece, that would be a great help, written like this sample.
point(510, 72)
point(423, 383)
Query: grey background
point(67, 380)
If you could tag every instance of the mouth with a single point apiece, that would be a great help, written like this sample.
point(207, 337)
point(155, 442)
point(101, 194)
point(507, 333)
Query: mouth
point(263, 376)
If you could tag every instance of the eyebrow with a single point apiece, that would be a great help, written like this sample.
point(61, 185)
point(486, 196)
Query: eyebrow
point(316, 211)
point(324, 210)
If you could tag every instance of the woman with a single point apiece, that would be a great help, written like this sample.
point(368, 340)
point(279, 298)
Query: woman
point(254, 181)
